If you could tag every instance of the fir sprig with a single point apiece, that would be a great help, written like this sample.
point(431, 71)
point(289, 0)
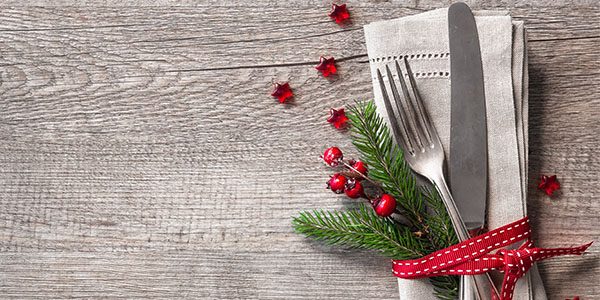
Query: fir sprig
point(371, 136)
point(362, 228)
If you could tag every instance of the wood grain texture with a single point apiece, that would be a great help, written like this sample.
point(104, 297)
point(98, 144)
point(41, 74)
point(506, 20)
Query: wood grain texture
point(142, 157)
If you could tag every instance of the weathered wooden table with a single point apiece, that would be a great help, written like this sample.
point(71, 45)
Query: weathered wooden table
point(141, 155)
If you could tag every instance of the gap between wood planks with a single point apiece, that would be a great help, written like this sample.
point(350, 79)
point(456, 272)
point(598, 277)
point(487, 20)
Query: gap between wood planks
point(345, 58)
point(293, 64)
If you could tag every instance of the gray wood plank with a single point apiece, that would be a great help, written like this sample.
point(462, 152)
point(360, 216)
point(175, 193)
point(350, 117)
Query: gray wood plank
point(143, 157)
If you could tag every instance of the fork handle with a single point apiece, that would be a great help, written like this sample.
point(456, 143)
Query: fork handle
point(474, 287)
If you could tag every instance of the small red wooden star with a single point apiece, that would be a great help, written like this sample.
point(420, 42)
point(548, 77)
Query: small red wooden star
point(339, 13)
point(549, 184)
point(337, 117)
point(282, 91)
point(326, 66)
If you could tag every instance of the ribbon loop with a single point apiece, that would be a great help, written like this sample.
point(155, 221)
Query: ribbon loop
point(472, 257)
point(517, 262)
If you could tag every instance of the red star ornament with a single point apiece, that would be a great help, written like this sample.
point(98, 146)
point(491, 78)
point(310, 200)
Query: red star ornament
point(282, 91)
point(339, 13)
point(549, 184)
point(337, 117)
point(326, 66)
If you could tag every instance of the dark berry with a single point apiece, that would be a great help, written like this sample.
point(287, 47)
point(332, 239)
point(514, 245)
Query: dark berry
point(385, 205)
point(354, 189)
point(360, 166)
point(337, 183)
point(332, 156)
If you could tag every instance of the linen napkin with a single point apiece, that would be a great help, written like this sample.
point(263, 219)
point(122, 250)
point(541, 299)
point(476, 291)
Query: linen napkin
point(423, 40)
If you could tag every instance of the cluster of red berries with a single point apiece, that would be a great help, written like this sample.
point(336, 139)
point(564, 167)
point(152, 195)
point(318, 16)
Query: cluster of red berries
point(351, 184)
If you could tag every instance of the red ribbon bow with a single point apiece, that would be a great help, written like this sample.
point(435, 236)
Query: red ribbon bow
point(472, 257)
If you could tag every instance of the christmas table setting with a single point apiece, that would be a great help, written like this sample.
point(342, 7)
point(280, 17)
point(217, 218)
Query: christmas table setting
point(302, 150)
point(461, 59)
point(503, 55)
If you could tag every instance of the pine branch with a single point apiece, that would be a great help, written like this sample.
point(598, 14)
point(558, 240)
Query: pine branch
point(362, 228)
point(359, 228)
point(372, 138)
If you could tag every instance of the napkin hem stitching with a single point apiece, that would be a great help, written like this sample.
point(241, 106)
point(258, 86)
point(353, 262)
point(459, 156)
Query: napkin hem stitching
point(411, 56)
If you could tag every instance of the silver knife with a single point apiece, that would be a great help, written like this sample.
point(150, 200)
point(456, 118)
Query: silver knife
point(467, 164)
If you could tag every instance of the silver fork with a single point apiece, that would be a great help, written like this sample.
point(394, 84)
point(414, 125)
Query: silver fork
point(423, 152)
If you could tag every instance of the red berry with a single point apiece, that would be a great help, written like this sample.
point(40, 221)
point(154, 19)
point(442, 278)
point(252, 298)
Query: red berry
point(354, 189)
point(282, 91)
point(333, 156)
point(326, 66)
point(385, 205)
point(337, 117)
point(339, 13)
point(549, 184)
point(337, 183)
point(359, 166)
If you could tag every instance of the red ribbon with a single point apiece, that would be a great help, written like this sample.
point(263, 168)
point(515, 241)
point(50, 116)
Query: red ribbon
point(472, 257)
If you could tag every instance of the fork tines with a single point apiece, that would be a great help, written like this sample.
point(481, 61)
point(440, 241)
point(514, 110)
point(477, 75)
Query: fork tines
point(415, 131)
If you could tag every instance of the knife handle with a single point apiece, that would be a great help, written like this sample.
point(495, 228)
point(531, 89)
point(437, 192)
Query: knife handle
point(473, 287)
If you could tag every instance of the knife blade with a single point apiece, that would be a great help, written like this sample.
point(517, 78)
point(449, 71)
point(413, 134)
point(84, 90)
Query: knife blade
point(467, 165)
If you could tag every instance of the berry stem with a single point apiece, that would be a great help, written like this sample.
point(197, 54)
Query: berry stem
point(361, 174)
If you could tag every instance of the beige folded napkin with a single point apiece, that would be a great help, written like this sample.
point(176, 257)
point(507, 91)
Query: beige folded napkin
point(423, 39)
